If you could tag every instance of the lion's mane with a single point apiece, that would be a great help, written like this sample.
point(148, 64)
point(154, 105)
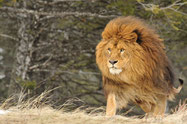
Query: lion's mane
point(149, 73)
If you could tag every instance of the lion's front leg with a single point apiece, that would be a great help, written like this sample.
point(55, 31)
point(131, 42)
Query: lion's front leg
point(111, 105)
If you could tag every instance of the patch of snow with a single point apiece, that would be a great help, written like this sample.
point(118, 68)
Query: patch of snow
point(2, 112)
point(1, 77)
point(1, 50)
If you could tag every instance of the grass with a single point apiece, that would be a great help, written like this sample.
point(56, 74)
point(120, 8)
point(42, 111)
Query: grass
point(38, 111)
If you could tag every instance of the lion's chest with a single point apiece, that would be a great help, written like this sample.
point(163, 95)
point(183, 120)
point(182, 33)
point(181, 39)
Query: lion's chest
point(128, 93)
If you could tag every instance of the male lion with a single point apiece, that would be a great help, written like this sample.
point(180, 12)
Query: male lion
point(134, 67)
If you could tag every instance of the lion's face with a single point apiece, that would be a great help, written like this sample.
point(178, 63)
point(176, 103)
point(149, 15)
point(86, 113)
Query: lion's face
point(117, 56)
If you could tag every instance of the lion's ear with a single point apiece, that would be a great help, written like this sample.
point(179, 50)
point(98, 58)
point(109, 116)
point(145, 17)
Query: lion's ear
point(133, 36)
point(137, 37)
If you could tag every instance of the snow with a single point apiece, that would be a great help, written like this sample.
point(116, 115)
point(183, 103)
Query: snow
point(2, 112)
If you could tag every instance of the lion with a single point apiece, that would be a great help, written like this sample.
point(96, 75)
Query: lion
point(131, 57)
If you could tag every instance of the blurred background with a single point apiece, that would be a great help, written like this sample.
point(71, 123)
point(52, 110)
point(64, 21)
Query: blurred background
point(46, 44)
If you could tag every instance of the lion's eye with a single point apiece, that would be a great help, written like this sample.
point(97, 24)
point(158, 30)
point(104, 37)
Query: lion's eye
point(109, 50)
point(121, 50)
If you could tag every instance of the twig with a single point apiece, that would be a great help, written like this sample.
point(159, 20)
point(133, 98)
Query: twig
point(8, 36)
point(178, 11)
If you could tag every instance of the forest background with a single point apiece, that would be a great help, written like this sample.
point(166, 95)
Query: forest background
point(45, 44)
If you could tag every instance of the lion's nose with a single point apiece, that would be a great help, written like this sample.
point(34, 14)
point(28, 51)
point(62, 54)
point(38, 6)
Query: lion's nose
point(113, 61)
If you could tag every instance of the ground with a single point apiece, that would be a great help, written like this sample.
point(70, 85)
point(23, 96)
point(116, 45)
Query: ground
point(48, 115)
point(37, 110)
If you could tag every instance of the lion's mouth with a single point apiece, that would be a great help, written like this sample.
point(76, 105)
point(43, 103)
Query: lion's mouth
point(114, 70)
point(113, 67)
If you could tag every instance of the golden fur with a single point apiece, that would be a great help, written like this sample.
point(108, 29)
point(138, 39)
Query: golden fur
point(134, 66)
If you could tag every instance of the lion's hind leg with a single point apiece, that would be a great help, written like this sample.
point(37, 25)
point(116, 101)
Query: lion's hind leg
point(160, 108)
point(147, 108)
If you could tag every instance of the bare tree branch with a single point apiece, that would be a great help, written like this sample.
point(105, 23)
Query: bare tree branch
point(58, 1)
point(176, 3)
point(178, 11)
point(151, 7)
point(8, 36)
point(55, 14)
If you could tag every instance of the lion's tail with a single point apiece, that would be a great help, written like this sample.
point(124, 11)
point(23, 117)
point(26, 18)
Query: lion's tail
point(176, 90)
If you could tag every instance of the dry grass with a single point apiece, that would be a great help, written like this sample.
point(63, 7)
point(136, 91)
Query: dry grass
point(36, 111)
